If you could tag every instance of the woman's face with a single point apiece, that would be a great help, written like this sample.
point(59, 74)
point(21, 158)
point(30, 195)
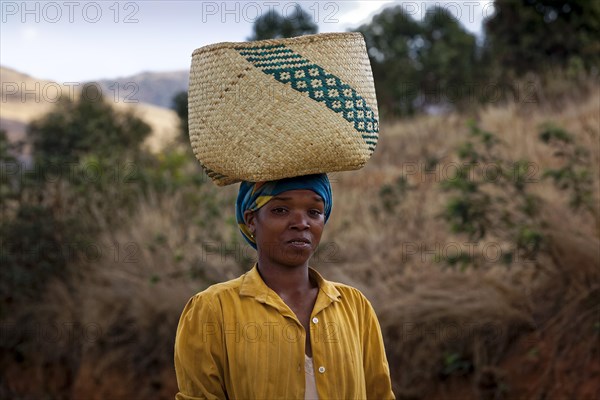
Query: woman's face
point(288, 228)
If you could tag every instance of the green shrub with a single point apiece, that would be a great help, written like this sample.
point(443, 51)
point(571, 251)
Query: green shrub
point(497, 205)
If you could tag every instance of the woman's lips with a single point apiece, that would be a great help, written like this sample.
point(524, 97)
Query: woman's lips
point(300, 243)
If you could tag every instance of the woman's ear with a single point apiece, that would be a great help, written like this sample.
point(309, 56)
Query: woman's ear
point(250, 220)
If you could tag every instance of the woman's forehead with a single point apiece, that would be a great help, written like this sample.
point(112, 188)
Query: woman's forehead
point(296, 194)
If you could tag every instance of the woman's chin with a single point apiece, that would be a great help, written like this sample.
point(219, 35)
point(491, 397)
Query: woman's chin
point(296, 257)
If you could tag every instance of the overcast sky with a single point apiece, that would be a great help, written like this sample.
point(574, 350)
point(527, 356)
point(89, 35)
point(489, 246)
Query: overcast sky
point(73, 41)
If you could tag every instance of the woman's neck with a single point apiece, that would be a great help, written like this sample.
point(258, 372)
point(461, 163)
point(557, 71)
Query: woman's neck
point(286, 280)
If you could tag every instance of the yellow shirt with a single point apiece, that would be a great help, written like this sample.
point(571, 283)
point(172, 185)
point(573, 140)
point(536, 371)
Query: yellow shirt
point(239, 340)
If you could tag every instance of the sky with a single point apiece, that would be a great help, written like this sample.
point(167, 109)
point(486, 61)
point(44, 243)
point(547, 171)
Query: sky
point(77, 41)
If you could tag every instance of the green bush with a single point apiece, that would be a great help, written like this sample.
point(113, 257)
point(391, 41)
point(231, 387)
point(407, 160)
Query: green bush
point(497, 205)
point(574, 175)
point(36, 246)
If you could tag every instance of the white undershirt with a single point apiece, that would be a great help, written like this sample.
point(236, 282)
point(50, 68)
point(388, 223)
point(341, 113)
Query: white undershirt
point(311, 384)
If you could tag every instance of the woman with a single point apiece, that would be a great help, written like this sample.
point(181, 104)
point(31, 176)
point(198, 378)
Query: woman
point(281, 331)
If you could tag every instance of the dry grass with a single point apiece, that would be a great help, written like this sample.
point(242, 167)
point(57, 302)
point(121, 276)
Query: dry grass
point(448, 333)
point(428, 313)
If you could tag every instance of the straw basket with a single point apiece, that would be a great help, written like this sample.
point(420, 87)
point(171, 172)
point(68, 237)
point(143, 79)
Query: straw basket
point(272, 109)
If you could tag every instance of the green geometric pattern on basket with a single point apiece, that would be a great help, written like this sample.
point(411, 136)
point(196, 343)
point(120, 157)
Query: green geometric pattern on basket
point(286, 66)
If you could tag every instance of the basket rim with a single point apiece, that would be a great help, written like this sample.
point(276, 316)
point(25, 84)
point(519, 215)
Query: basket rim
point(329, 36)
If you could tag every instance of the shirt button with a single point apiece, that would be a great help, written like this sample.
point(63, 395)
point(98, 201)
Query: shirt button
point(322, 369)
point(315, 320)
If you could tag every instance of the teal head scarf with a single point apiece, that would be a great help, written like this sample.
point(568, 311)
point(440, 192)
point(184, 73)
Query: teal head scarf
point(254, 195)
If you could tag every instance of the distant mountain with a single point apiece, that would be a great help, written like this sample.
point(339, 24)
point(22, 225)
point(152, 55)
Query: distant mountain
point(25, 98)
point(156, 88)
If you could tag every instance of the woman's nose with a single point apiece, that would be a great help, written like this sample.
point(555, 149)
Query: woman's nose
point(299, 220)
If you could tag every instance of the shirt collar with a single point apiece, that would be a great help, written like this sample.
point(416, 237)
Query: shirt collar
point(254, 286)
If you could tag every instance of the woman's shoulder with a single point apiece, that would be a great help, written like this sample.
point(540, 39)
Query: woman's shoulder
point(354, 300)
point(213, 299)
point(217, 290)
point(347, 292)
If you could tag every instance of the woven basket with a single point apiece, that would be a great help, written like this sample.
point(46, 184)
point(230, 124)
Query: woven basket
point(272, 109)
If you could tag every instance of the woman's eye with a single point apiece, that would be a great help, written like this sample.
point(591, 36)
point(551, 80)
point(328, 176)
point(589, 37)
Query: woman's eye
point(316, 212)
point(278, 210)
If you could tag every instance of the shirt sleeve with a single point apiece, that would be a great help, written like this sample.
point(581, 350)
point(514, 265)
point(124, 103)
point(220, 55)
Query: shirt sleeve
point(199, 354)
point(377, 372)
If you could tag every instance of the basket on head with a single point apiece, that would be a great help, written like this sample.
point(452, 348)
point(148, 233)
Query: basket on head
point(272, 109)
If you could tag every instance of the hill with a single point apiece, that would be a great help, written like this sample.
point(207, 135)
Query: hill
point(25, 98)
point(509, 313)
point(485, 332)
point(156, 88)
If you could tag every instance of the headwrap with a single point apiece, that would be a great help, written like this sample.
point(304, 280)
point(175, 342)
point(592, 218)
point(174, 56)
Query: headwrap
point(254, 195)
